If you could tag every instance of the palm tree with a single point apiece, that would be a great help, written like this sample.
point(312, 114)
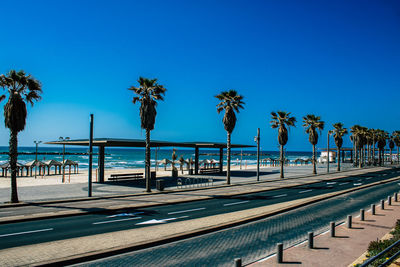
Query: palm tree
point(382, 136)
point(338, 134)
point(391, 146)
point(359, 140)
point(374, 134)
point(280, 120)
point(396, 140)
point(22, 88)
point(313, 123)
point(230, 101)
point(148, 93)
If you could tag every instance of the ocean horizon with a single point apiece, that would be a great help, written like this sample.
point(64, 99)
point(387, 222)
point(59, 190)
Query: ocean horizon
point(126, 158)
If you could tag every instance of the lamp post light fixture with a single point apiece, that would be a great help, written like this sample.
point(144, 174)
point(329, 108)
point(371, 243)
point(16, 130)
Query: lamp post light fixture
point(62, 139)
point(36, 143)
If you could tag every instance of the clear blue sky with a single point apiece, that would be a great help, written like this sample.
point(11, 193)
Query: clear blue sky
point(336, 59)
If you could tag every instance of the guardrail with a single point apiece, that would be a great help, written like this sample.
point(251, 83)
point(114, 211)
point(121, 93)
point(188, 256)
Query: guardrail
point(194, 182)
point(381, 254)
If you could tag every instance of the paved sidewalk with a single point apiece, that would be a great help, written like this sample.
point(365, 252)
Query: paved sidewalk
point(343, 249)
point(63, 208)
point(80, 190)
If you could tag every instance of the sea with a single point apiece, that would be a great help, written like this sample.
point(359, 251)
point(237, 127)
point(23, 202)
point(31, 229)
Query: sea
point(127, 158)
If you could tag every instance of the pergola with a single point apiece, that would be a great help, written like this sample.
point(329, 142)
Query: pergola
point(102, 143)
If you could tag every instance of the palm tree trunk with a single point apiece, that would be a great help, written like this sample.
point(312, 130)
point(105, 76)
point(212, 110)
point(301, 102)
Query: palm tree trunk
point(13, 153)
point(338, 157)
point(398, 160)
point(147, 165)
point(391, 159)
point(360, 151)
point(314, 160)
point(282, 161)
point(228, 159)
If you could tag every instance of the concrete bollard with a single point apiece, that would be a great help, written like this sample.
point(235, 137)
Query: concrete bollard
point(395, 197)
point(238, 262)
point(382, 204)
point(333, 228)
point(373, 209)
point(310, 240)
point(389, 200)
point(362, 215)
point(279, 253)
point(349, 221)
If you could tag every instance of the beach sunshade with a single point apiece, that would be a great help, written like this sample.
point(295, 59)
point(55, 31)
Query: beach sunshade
point(34, 163)
point(69, 162)
point(165, 161)
point(52, 162)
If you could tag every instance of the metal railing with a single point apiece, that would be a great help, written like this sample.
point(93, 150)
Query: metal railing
point(381, 254)
point(194, 182)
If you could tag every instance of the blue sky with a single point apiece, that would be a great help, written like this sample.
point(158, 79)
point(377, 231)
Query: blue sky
point(336, 59)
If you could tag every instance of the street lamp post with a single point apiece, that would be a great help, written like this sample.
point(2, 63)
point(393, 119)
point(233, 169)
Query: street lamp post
point(36, 143)
point(257, 140)
point(62, 139)
point(327, 161)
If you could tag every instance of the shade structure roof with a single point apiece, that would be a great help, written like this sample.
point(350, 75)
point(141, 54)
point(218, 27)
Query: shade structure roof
point(112, 142)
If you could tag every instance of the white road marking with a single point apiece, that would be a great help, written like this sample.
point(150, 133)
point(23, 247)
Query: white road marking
point(183, 211)
point(155, 221)
point(27, 232)
point(125, 214)
point(236, 203)
point(343, 183)
point(283, 195)
point(368, 178)
point(305, 191)
point(331, 183)
point(120, 220)
point(357, 184)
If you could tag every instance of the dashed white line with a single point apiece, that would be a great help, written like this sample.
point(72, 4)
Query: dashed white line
point(343, 183)
point(368, 178)
point(305, 191)
point(120, 220)
point(283, 195)
point(27, 232)
point(183, 211)
point(331, 183)
point(357, 184)
point(2, 212)
point(236, 203)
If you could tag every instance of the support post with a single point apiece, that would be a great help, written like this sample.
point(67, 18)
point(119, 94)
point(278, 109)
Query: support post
point(101, 163)
point(310, 240)
point(196, 160)
point(362, 215)
point(333, 228)
point(221, 160)
point(349, 221)
point(389, 200)
point(395, 197)
point(90, 156)
point(327, 159)
point(258, 154)
point(238, 262)
point(382, 204)
point(373, 209)
point(279, 253)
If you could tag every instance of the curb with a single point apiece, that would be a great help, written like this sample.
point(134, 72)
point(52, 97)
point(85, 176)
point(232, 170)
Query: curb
point(119, 250)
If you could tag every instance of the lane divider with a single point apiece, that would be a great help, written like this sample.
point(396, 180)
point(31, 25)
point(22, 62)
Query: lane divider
point(236, 203)
point(120, 220)
point(27, 232)
point(183, 211)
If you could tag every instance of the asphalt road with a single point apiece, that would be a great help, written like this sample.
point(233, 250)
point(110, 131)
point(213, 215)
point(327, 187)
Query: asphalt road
point(257, 240)
point(33, 232)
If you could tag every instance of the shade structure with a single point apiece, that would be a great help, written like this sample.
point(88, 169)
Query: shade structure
point(102, 143)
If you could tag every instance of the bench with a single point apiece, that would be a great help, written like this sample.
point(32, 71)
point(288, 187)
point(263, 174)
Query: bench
point(126, 176)
point(210, 170)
